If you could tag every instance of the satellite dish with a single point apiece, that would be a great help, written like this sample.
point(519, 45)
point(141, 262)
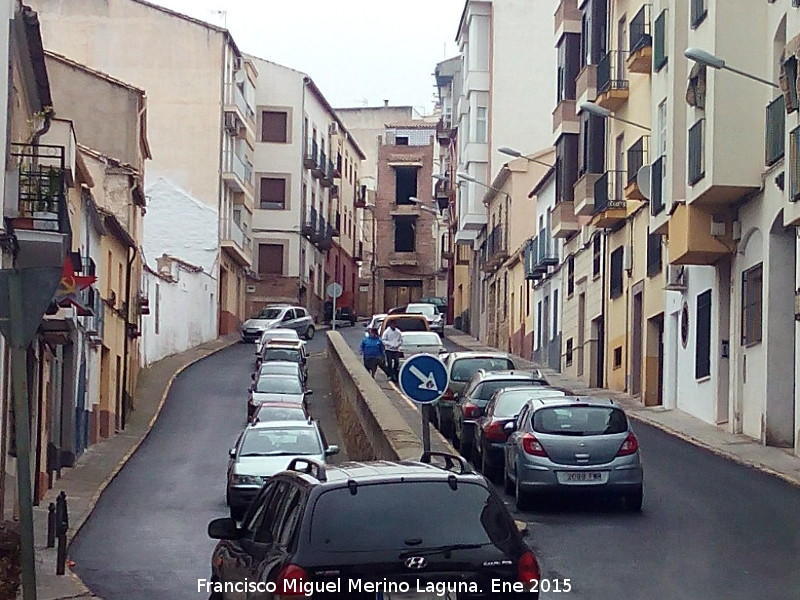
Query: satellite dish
point(240, 76)
point(643, 180)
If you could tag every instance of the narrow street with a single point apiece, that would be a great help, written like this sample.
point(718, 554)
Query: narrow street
point(147, 537)
point(709, 529)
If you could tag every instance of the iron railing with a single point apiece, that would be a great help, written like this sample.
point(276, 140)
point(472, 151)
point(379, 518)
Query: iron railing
point(42, 188)
point(657, 186)
point(610, 73)
point(640, 30)
point(637, 157)
point(607, 192)
point(776, 130)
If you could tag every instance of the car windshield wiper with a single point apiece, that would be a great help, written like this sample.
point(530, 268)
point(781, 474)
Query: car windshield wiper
point(440, 550)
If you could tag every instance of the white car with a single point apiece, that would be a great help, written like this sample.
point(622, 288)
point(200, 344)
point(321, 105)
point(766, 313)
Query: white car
point(432, 315)
point(374, 323)
point(276, 334)
point(420, 342)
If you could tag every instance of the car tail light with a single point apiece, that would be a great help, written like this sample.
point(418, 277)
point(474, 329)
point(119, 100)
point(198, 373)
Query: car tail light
point(629, 446)
point(494, 432)
point(532, 446)
point(448, 395)
point(471, 411)
point(290, 581)
point(528, 568)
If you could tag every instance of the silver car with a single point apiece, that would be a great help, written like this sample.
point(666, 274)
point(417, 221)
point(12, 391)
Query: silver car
point(573, 444)
point(278, 367)
point(264, 449)
point(278, 316)
point(277, 388)
point(420, 342)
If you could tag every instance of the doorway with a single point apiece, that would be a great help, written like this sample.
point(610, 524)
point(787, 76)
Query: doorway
point(401, 292)
point(581, 331)
point(599, 336)
point(654, 362)
point(636, 343)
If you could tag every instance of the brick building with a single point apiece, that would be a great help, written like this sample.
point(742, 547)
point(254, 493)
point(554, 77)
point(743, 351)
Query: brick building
point(407, 257)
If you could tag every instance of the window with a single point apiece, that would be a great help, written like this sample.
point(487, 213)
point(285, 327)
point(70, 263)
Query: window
point(270, 259)
point(569, 59)
point(597, 255)
point(654, 250)
point(789, 73)
point(702, 345)
point(591, 144)
point(752, 297)
point(699, 11)
point(570, 275)
point(401, 140)
point(568, 353)
point(616, 272)
point(404, 235)
point(538, 324)
point(696, 167)
point(661, 130)
point(618, 357)
point(481, 125)
point(274, 126)
point(566, 167)
point(794, 165)
point(775, 131)
point(272, 194)
point(660, 41)
point(555, 313)
point(405, 184)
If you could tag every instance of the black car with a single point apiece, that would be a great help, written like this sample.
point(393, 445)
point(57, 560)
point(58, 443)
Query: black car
point(338, 528)
point(346, 314)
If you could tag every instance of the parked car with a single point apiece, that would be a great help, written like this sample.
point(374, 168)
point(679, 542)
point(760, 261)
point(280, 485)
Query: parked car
point(461, 367)
point(429, 311)
point(470, 406)
point(264, 449)
point(279, 411)
point(406, 322)
point(575, 444)
point(276, 334)
point(419, 342)
point(462, 533)
point(374, 323)
point(439, 301)
point(490, 430)
point(279, 316)
point(276, 388)
point(279, 367)
point(346, 314)
point(278, 350)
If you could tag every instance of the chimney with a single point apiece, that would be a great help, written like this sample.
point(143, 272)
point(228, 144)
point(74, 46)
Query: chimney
point(385, 103)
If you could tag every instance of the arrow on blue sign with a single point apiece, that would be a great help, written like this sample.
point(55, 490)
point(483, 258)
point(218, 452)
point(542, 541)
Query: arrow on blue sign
point(423, 378)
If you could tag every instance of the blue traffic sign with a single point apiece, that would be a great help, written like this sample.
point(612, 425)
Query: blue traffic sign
point(423, 378)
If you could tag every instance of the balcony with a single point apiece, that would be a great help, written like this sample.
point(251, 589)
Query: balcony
point(442, 192)
point(775, 131)
point(564, 222)
point(236, 106)
point(567, 18)
point(565, 119)
point(360, 196)
point(337, 168)
point(318, 170)
point(334, 192)
point(237, 173)
point(583, 192)
point(610, 207)
point(39, 219)
point(337, 225)
point(403, 259)
point(358, 252)
point(698, 237)
point(637, 158)
point(495, 250)
point(612, 82)
point(586, 84)
point(235, 242)
point(640, 57)
point(444, 128)
point(309, 227)
point(310, 156)
point(324, 235)
point(543, 255)
point(327, 175)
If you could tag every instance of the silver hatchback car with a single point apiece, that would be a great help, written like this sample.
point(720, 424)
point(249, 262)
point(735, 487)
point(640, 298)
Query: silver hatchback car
point(573, 444)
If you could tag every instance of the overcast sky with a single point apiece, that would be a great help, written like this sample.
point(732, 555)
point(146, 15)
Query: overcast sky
point(359, 52)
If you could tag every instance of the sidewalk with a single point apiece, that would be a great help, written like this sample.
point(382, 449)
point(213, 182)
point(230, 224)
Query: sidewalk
point(96, 468)
point(739, 448)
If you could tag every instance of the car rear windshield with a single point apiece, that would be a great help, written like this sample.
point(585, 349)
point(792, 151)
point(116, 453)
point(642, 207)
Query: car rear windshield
point(282, 354)
point(510, 403)
point(410, 324)
point(580, 420)
point(421, 338)
point(464, 368)
point(274, 442)
point(484, 391)
point(290, 335)
point(428, 310)
point(279, 385)
point(281, 413)
point(467, 515)
point(278, 368)
point(269, 313)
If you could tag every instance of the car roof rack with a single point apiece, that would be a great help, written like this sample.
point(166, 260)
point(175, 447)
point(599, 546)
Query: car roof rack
point(450, 461)
point(311, 467)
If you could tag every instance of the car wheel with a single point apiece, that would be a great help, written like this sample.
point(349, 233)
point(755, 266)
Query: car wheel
point(521, 497)
point(310, 332)
point(633, 500)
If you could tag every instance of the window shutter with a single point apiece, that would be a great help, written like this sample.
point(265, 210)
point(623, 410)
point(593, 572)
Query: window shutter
point(702, 345)
point(270, 259)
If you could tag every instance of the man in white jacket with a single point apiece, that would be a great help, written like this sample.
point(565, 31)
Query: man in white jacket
point(392, 339)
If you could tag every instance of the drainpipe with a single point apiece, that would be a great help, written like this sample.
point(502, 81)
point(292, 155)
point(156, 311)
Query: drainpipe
point(604, 342)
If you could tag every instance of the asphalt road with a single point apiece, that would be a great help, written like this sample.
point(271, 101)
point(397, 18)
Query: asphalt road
point(147, 537)
point(710, 529)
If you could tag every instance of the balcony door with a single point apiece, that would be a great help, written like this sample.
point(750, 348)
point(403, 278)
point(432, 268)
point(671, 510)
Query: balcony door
point(622, 38)
point(619, 168)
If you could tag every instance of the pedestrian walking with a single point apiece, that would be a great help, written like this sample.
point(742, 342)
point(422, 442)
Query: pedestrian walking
point(392, 339)
point(372, 350)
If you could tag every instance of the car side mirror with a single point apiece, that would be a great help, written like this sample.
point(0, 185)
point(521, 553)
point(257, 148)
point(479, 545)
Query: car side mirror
point(232, 452)
point(509, 427)
point(224, 529)
point(331, 450)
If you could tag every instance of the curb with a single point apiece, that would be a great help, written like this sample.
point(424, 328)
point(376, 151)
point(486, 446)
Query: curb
point(96, 497)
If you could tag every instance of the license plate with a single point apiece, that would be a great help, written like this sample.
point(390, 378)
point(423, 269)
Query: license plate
point(582, 476)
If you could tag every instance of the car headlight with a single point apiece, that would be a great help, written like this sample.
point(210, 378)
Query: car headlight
point(248, 480)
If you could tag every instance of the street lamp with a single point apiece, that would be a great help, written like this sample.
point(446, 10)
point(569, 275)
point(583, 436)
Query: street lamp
point(706, 58)
point(604, 113)
point(467, 177)
point(517, 154)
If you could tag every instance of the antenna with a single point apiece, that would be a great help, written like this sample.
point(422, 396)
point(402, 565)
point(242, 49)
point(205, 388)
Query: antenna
point(224, 15)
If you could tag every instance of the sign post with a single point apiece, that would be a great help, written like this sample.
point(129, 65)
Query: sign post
point(334, 291)
point(424, 379)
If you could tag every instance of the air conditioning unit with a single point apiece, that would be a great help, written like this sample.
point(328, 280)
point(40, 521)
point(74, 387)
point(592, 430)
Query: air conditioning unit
point(627, 258)
point(333, 128)
point(676, 278)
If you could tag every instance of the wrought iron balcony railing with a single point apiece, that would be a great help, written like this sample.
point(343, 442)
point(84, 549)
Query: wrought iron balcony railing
point(42, 188)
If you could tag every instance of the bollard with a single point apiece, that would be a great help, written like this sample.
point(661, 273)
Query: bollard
point(51, 525)
point(62, 525)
